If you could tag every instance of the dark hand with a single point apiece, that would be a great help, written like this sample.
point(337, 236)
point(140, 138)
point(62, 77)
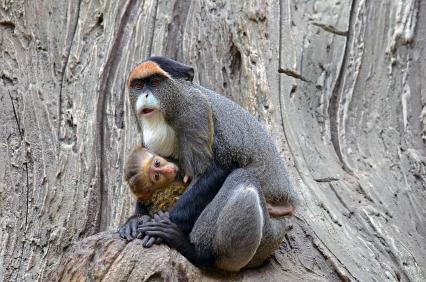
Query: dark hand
point(129, 230)
point(148, 240)
point(162, 227)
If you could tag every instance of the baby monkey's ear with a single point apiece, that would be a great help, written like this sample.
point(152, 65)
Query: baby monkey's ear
point(134, 166)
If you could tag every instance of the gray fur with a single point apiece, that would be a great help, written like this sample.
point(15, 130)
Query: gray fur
point(189, 107)
point(230, 225)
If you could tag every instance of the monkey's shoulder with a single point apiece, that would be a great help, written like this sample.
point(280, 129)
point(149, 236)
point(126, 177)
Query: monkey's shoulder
point(236, 128)
point(227, 111)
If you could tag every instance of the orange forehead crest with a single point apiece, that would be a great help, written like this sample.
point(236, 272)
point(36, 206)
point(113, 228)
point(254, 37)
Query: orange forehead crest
point(146, 69)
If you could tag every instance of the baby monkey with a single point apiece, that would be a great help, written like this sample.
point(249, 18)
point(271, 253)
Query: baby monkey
point(155, 182)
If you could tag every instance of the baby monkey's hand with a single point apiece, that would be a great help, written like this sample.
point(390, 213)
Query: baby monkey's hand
point(186, 179)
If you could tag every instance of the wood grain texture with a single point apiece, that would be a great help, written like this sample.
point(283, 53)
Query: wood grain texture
point(338, 84)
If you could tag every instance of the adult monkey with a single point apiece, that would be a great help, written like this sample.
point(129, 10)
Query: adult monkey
point(205, 130)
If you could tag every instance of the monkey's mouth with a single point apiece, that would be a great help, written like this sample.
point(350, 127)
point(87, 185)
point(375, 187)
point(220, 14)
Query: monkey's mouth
point(147, 111)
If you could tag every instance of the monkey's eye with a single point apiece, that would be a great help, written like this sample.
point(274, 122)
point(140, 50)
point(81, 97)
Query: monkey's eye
point(157, 163)
point(157, 176)
point(137, 84)
point(155, 81)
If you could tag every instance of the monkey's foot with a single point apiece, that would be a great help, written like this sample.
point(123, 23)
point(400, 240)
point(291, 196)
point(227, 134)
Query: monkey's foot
point(129, 230)
point(279, 210)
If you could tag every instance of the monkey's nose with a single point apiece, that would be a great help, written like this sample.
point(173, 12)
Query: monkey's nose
point(169, 169)
point(146, 95)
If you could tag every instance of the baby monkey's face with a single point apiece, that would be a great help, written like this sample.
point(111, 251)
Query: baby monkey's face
point(146, 172)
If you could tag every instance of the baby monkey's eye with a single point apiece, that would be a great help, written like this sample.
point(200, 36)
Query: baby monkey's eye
point(157, 163)
point(157, 176)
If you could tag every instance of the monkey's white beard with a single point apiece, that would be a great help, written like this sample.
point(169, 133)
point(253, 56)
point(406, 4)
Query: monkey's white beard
point(158, 136)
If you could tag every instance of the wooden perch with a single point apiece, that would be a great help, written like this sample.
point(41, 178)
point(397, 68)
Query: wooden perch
point(107, 257)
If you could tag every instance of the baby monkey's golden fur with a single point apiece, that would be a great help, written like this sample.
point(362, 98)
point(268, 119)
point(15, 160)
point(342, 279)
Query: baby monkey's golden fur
point(156, 194)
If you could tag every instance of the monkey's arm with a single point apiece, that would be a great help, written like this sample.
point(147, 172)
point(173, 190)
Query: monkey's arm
point(195, 128)
point(129, 230)
point(165, 229)
point(190, 205)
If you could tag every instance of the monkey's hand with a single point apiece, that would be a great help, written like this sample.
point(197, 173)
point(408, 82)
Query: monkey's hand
point(129, 230)
point(162, 227)
point(149, 240)
point(176, 239)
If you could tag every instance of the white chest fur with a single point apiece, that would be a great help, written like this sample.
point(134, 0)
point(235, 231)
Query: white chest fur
point(158, 136)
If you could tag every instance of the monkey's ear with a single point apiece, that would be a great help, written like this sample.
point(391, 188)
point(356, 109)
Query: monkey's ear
point(190, 74)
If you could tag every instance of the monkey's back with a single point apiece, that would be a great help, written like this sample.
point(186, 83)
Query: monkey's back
point(241, 139)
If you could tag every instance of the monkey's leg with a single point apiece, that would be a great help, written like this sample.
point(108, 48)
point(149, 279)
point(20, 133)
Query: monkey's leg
point(239, 229)
point(186, 211)
point(231, 226)
point(274, 232)
point(129, 229)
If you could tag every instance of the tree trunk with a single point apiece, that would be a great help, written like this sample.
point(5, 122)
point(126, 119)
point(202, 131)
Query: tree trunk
point(339, 85)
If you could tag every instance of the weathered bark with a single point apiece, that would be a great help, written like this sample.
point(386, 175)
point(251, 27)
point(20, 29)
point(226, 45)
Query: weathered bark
point(338, 84)
point(106, 257)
